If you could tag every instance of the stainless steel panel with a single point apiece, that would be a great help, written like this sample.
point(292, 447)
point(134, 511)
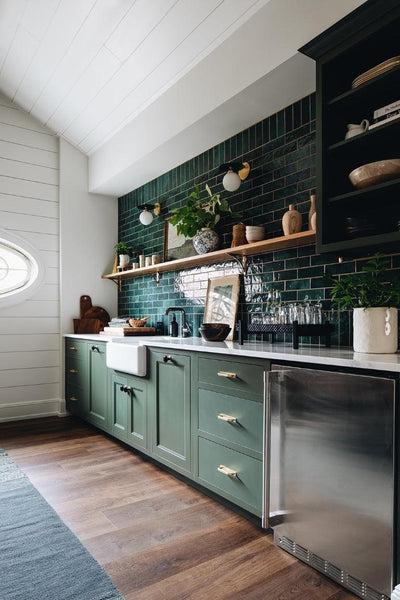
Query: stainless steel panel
point(330, 467)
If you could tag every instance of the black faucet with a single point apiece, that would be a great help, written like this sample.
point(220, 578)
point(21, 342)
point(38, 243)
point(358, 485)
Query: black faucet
point(185, 329)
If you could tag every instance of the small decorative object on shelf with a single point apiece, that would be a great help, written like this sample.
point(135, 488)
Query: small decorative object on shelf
point(255, 233)
point(238, 235)
point(311, 212)
point(355, 129)
point(292, 221)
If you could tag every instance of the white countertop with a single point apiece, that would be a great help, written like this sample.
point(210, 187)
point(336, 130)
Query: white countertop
point(318, 355)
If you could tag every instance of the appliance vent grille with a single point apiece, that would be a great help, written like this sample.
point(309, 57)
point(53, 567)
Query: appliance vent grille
point(324, 566)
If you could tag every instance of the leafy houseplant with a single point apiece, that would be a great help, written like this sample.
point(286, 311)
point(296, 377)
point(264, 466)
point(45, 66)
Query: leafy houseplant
point(124, 253)
point(197, 215)
point(374, 297)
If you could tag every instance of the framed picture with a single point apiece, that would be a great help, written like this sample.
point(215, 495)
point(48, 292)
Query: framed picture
point(222, 301)
point(176, 245)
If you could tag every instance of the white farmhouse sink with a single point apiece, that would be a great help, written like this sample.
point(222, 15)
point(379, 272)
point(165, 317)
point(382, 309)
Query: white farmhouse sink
point(127, 357)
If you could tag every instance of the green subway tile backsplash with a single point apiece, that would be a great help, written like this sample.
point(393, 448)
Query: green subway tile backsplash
point(281, 151)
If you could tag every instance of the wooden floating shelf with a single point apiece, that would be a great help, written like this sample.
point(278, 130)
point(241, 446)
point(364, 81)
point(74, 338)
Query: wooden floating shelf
point(304, 238)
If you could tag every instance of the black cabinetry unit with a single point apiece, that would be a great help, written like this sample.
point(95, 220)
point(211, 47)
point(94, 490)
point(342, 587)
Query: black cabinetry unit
point(350, 219)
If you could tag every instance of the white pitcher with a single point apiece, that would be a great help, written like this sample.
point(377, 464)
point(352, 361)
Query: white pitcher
point(354, 129)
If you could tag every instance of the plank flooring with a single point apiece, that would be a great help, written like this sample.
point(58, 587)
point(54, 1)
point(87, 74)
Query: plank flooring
point(156, 536)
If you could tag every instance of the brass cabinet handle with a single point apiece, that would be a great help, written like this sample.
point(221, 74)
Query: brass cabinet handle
point(73, 371)
point(73, 348)
point(73, 399)
point(227, 471)
point(227, 374)
point(227, 418)
point(168, 358)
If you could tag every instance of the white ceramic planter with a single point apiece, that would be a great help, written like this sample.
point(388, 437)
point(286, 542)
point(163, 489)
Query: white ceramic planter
point(124, 260)
point(375, 330)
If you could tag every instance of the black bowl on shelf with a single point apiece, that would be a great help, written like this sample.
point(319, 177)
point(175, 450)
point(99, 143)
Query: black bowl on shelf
point(214, 332)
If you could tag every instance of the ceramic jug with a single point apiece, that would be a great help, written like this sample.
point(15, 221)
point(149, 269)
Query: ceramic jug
point(354, 129)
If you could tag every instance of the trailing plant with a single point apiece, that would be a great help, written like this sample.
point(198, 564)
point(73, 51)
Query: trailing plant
point(196, 214)
point(371, 288)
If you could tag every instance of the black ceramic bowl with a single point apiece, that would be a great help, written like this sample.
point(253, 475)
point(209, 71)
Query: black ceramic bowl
point(214, 332)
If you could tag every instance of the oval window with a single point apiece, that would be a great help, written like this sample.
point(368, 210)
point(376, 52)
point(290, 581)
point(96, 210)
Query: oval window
point(19, 269)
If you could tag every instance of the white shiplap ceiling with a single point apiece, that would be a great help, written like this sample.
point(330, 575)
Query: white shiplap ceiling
point(86, 68)
point(141, 86)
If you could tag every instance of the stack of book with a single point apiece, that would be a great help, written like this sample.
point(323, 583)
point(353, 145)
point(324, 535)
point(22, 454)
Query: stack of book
point(385, 114)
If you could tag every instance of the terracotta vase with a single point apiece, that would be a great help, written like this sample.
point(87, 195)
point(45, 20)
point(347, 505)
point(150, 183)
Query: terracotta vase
point(311, 212)
point(238, 235)
point(292, 221)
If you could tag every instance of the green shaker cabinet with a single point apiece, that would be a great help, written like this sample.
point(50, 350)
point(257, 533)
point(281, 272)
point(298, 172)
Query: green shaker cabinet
point(98, 413)
point(199, 414)
point(227, 427)
point(129, 409)
point(76, 377)
point(170, 394)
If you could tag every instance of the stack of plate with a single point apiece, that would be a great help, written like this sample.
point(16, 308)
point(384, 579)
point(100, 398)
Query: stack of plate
point(383, 67)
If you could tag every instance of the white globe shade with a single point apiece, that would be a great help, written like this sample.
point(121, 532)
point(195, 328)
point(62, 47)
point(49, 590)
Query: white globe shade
point(231, 181)
point(145, 217)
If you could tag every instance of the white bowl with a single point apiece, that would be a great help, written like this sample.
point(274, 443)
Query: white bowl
point(375, 172)
point(255, 233)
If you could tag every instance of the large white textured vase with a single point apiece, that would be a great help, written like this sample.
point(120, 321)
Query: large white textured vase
point(375, 330)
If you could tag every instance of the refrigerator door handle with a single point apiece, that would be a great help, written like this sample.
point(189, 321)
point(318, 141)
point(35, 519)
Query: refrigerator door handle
point(267, 451)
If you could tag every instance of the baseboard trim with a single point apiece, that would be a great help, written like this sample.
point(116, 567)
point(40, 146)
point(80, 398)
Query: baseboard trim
point(36, 409)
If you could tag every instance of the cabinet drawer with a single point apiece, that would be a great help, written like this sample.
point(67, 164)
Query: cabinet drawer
point(232, 376)
point(75, 348)
point(75, 399)
point(76, 372)
point(244, 488)
point(231, 418)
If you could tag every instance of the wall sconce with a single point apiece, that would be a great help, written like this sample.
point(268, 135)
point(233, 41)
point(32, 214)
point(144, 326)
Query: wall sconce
point(145, 217)
point(236, 173)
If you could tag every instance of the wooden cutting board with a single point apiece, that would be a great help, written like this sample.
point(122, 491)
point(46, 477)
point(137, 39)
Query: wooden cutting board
point(122, 331)
point(87, 325)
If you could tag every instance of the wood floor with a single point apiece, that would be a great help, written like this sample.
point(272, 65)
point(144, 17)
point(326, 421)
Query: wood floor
point(157, 537)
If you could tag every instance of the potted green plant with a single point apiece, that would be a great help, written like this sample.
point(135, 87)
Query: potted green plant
point(124, 253)
point(197, 219)
point(374, 298)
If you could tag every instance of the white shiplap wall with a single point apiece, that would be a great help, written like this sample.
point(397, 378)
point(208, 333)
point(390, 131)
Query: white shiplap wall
point(29, 208)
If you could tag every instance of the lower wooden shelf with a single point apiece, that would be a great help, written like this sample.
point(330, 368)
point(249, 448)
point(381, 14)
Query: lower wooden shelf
point(304, 238)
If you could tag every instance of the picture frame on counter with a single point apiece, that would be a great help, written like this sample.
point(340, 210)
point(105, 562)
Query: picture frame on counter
point(222, 301)
point(176, 245)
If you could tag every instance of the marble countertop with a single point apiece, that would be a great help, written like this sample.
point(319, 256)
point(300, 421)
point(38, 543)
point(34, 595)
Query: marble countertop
point(318, 355)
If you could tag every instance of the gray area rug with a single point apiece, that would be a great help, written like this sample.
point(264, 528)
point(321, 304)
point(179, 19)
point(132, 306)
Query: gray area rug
point(40, 557)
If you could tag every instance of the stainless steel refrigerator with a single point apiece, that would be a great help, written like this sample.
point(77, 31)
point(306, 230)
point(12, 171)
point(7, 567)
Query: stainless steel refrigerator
point(330, 474)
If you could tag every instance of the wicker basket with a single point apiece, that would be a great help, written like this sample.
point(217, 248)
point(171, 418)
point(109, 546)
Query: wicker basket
point(138, 322)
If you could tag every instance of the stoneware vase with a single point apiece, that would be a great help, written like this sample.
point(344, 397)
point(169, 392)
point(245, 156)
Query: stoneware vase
point(311, 212)
point(291, 221)
point(205, 240)
point(375, 330)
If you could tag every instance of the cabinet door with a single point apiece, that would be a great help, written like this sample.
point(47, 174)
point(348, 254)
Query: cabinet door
point(119, 405)
point(98, 385)
point(129, 409)
point(170, 415)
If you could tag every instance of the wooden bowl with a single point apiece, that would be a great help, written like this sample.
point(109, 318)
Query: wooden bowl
point(214, 332)
point(374, 173)
point(138, 322)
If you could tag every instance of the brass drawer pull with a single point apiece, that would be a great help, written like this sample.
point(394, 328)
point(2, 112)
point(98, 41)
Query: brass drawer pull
point(73, 399)
point(73, 371)
point(73, 348)
point(227, 471)
point(227, 374)
point(227, 418)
